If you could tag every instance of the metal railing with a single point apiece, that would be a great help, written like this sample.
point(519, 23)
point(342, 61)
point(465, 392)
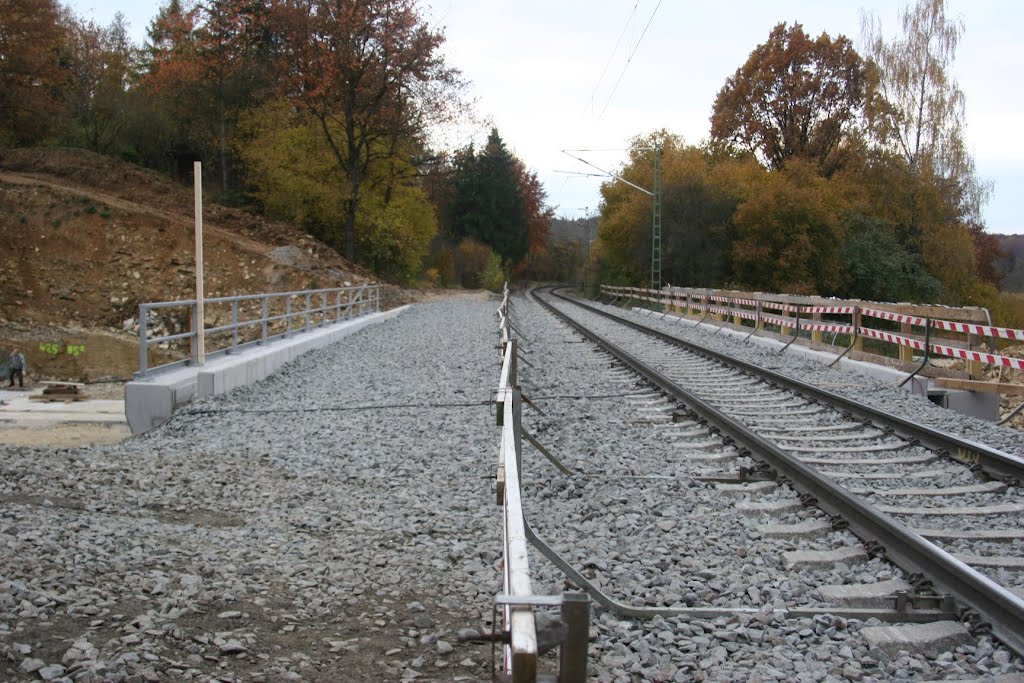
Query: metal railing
point(271, 316)
point(519, 636)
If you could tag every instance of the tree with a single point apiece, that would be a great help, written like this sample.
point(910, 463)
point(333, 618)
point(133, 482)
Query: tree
point(916, 120)
point(370, 73)
point(879, 268)
point(489, 198)
point(915, 111)
point(788, 235)
point(538, 215)
point(31, 77)
point(292, 174)
point(793, 98)
point(102, 64)
point(207, 62)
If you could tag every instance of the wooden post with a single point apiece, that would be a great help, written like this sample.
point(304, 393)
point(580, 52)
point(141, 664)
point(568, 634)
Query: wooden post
point(858, 344)
point(906, 353)
point(197, 180)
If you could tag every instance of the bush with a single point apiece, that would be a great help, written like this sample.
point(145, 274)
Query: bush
point(472, 260)
point(493, 277)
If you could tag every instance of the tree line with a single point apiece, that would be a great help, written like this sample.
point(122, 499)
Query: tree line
point(318, 112)
point(826, 171)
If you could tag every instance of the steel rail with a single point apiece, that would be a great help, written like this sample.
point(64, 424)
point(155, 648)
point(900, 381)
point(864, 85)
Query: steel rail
point(994, 461)
point(1001, 609)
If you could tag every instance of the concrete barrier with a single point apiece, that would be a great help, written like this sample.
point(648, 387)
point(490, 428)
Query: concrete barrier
point(150, 402)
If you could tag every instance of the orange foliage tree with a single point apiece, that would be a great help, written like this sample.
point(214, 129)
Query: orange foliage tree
point(794, 97)
point(31, 77)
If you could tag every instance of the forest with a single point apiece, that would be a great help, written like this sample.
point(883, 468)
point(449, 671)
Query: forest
point(825, 170)
point(315, 112)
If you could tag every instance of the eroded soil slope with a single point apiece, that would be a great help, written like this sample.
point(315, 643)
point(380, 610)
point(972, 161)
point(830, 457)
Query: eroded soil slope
point(86, 238)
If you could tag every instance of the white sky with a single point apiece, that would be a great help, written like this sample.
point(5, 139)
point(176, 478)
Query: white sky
point(536, 72)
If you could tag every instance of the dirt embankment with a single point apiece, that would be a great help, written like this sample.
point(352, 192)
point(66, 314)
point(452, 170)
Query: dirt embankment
point(87, 238)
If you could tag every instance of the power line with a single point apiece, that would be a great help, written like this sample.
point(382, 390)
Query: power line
point(630, 59)
point(615, 49)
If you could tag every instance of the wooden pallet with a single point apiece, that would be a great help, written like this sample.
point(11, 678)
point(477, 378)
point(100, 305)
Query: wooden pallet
point(65, 392)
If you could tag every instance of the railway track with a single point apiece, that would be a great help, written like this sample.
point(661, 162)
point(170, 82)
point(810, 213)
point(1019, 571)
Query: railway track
point(945, 509)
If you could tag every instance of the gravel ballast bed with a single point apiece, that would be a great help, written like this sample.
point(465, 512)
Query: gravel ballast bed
point(681, 542)
point(334, 522)
point(337, 522)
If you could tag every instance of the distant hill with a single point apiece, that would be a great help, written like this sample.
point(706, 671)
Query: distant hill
point(565, 230)
point(1012, 264)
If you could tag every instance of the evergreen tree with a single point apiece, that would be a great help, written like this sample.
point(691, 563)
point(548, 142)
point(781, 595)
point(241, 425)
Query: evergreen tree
point(488, 205)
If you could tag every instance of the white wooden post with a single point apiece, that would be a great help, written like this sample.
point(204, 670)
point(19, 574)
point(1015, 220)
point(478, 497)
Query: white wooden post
point(197, 176)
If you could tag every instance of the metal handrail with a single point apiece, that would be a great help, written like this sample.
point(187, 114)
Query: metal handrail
point(521, 647)
point(363, 298)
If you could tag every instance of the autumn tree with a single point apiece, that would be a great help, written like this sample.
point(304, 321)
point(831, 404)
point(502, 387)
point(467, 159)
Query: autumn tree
point(234, 47)
point(700, 193)
point(788, 235)
point(370, 73)
point(31, 76)
point(537, 213)
point(171, 121)
point(794, 97)
point(102, 65)
point(206, 63)
point(291, 170)
point(916, 119)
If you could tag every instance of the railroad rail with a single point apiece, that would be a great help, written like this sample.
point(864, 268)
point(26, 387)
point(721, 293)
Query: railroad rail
point(995, 605)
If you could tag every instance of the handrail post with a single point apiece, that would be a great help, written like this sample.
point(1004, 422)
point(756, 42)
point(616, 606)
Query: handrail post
point(264, 307)
point(194, 339)
point(288, 315)
point(323, 308)
point(309, 303)
point(143, 343)
point(572, 655)
point(234, 325)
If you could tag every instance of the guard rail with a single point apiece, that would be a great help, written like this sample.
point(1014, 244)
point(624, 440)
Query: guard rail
point(519, 636)
point(276, 315)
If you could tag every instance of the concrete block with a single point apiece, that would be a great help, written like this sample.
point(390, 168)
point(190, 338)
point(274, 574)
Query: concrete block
point(928, 640)
point(770, 508)
point(752, 488)
point(824, 558)
point(809, 529)
point(878, 594)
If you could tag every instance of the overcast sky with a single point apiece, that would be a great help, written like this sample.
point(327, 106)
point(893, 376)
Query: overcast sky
point(556, 74)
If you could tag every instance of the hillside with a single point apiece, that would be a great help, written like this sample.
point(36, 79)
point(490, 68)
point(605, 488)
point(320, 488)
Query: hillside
point(87, 238)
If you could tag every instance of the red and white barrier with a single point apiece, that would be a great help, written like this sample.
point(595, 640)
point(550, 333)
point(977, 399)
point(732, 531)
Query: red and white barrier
point(705, 303)
point(981, 330)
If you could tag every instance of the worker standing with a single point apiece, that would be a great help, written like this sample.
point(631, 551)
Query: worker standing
point(16, 368)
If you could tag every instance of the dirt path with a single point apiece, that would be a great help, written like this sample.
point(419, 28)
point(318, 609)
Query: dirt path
point(32, 179)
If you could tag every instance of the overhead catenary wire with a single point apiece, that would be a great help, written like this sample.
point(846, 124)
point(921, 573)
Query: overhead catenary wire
point(615, 50)
point(630, 59)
